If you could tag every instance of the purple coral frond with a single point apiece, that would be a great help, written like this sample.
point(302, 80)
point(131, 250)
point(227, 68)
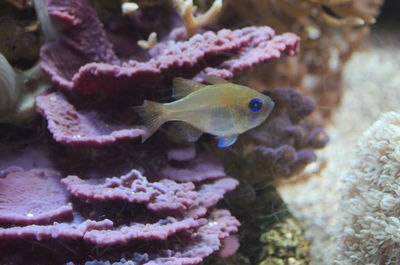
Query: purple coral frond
point(163, 211)
point(134, 188)
point(254, 45)
point(262, 48)
point(24, 197)
point(198, 245)
point(72, 127)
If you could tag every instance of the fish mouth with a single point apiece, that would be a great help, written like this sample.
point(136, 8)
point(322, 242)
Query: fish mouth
point(271, 105)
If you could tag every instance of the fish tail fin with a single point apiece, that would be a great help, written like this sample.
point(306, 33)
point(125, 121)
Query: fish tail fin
point(153, 115)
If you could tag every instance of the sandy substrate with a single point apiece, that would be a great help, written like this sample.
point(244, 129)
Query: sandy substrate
point(371, 87)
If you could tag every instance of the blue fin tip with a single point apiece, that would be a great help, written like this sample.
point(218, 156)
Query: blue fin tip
point(226, 141)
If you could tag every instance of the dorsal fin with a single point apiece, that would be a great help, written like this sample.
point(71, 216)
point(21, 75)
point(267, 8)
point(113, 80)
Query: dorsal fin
point(213, 79)
point(182, 87)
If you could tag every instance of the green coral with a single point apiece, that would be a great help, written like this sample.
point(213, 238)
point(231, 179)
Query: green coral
point(268, 233)
point(284, 244)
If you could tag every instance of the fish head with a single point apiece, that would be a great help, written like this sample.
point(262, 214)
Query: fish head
point(253, 108)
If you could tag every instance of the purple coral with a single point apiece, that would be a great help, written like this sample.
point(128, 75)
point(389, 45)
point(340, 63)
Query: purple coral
point(205, 166)
point(283, 145)
point(286, 142)
point(69, 126)
point(187, 58)
point(56, 230)
point(20, 205)
point(163, 209)
point(261, 48)
point(193, 249)
point(76, 120)
point(180, 216)
point(163, 195)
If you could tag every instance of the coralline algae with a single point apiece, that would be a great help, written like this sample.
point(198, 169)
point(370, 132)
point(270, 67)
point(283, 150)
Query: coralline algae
point(110, 199)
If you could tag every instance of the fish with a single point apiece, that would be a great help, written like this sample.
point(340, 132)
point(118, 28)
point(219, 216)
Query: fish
point(220, 108)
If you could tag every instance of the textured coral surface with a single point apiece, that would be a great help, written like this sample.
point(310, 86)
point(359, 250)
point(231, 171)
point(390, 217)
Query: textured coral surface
point(177, 208)
point(78, 186)
point(19, 205)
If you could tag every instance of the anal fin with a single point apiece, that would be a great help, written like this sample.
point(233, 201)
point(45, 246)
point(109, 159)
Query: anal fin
point(226, 141)
point(190, 133)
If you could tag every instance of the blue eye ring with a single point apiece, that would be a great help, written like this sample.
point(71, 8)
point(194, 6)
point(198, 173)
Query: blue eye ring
point(255, 105)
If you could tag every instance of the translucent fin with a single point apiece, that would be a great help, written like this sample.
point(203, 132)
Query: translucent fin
point(152, 114)
point(182, 87)
point(212, 79)
point(190, 133)
point(226, 141)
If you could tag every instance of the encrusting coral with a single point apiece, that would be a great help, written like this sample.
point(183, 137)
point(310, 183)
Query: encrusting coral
point(368, 230)
point(177, 210)
point(18, 205)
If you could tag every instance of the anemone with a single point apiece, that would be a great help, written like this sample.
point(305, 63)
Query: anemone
point(49, 31)
point(18, 90)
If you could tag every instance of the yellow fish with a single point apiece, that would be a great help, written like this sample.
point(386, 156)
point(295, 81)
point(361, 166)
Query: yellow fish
point(222, 109)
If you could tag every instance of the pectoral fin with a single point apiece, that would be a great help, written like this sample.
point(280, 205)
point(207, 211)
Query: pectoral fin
point(183, 87)
point(226, 141)
point(213, 79)
point(190, 133)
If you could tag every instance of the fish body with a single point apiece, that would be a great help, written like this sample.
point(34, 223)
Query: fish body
point(222, 109)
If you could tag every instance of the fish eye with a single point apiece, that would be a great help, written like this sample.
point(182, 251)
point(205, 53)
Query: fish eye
point(255, 104)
